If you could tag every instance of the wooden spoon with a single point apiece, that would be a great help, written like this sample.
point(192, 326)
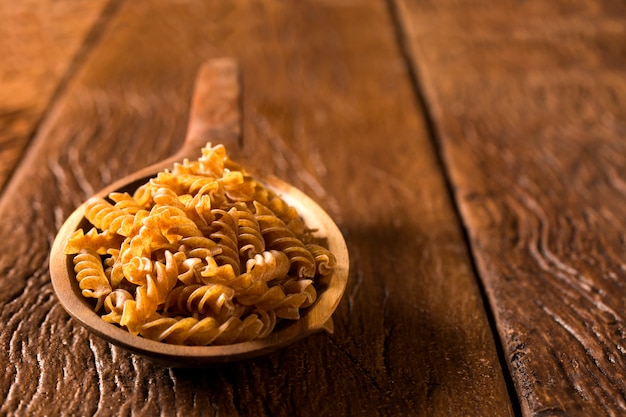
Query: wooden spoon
point(215, 117)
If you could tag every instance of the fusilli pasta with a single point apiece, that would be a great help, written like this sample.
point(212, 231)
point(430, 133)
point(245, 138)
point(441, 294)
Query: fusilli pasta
point(199, 255)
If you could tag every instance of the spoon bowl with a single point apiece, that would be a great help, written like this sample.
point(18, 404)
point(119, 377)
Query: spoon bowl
point(215, 117)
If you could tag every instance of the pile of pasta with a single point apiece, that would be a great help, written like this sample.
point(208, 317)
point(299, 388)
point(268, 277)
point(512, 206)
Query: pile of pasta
point(201, 254)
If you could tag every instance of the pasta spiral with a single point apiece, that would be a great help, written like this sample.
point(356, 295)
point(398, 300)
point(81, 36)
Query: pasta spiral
point(201, 300)
point(325, 261)
point(278, 236)
point(200, 332)
point(98, 242)
point(114, 305)
point(225, 234)
point(250, 239)
point(105, 216)
point(268, 265)
point(90, 276)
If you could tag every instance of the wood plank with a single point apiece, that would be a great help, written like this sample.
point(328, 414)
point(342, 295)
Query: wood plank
point(328, 106)
point(528, 103)
point(40, 41)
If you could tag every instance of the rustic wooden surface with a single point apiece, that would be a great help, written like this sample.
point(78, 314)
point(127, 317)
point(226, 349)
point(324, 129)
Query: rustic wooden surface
point(470, 151)
point(330, 107)
point(40, 45)
point(528, 103)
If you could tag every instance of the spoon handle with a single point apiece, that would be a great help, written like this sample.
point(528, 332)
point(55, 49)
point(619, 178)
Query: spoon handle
point(215, 107)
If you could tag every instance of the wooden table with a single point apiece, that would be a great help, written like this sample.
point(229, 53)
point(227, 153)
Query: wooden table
point(472, 153)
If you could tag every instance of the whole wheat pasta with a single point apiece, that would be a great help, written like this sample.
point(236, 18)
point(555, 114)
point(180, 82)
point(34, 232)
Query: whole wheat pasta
point(198, 255)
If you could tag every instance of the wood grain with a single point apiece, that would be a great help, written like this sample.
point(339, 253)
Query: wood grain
point(528, 103)
point(40, 43)
point(328, 106)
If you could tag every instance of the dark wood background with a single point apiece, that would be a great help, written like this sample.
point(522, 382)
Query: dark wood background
point(472, 153)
